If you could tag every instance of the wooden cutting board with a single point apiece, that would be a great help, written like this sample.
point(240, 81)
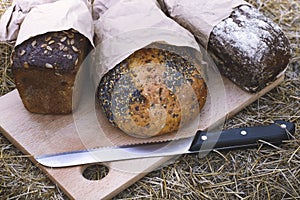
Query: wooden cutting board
point(37, 134)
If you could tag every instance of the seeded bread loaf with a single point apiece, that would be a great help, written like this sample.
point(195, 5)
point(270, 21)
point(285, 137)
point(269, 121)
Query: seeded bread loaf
point(45, 68)
point(152, 92)
point(249, 48)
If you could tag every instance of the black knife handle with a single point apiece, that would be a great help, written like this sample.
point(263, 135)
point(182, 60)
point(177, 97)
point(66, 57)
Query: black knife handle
point(239, 137)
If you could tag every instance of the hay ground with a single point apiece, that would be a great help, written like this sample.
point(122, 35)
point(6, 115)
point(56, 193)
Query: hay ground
point(260, 173)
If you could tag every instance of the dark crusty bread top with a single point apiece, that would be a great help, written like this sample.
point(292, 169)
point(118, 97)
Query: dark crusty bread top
point(54, 50)
point(249, 48)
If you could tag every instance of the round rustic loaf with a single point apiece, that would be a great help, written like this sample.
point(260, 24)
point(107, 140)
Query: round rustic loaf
point(152, 92)
point(249, 48)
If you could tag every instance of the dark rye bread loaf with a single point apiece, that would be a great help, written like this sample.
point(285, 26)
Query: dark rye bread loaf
point(152, 92)
point(249, 48)
point(45, 67)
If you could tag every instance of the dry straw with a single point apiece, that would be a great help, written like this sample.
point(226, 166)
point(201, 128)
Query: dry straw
point(266, 172)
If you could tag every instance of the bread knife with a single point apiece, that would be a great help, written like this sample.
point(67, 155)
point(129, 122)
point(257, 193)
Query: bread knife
point(202, 142)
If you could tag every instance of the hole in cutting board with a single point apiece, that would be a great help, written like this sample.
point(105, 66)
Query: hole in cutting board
point(95, 172)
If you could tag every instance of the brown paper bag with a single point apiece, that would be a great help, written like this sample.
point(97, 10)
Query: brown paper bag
point(13, 17)
point(101, 6)
point(130, 25)
point(27, 18)
point(201, 16)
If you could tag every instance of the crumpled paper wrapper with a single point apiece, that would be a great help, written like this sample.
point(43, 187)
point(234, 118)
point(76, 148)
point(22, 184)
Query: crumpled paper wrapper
point(200, 16)
point(27, 18)
point(101, 6)
point(13, 17)
point(130, 25)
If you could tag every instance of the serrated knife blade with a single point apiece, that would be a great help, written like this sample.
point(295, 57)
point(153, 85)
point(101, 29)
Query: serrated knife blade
point(202, 142)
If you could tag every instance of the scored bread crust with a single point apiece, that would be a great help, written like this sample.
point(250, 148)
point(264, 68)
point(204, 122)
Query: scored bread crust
point(152, 92)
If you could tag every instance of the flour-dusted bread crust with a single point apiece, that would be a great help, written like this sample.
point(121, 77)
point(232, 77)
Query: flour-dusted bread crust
point(45, 69)
point(249, 48)
point(152, 92)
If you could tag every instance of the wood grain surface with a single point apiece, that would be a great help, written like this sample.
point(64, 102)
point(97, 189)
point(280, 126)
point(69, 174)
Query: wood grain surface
point(37, 134)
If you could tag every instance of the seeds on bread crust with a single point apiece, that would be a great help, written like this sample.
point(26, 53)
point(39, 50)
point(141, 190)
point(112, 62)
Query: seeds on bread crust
point(49, 66)
point(49, 48)
point(47, 45)
point(26, 65)
point(69, 57)
point(63, 39)
point(61, 46)
point(48, 38)
point(75, 49)
point(22, 52)
point(51, 42)
point(76, 61)
point(33, 43)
